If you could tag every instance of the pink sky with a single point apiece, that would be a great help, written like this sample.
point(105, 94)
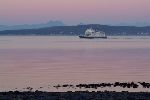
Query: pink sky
point(74, 11)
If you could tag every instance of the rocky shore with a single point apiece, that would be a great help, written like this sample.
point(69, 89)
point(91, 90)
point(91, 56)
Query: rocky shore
point(78, 95)
point(30, 93)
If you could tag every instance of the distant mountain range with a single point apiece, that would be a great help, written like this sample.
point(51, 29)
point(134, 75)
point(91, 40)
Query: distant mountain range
point(80, 29)
point(33, 26)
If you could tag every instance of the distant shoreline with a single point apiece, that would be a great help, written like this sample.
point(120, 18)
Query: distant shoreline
point(80, 29)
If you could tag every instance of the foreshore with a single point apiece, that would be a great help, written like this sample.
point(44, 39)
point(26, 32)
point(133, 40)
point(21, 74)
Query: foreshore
point(78, 95)
point(91, 92)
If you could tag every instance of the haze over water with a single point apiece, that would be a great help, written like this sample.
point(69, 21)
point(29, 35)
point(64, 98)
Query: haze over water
point(42, 60)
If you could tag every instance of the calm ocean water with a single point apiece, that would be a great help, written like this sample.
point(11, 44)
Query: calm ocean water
point(42, 60)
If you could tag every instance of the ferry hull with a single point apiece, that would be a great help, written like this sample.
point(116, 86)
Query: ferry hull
point(86, 37)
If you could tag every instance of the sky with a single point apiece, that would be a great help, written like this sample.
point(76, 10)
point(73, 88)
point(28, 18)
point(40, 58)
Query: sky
point(72, 12)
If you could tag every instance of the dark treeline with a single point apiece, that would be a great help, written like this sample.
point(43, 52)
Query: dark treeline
point(80, 29)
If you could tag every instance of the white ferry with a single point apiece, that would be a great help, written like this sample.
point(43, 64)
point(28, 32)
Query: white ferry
point(91, 34)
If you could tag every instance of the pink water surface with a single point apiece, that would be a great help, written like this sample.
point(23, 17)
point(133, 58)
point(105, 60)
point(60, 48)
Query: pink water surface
point(39, 61)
